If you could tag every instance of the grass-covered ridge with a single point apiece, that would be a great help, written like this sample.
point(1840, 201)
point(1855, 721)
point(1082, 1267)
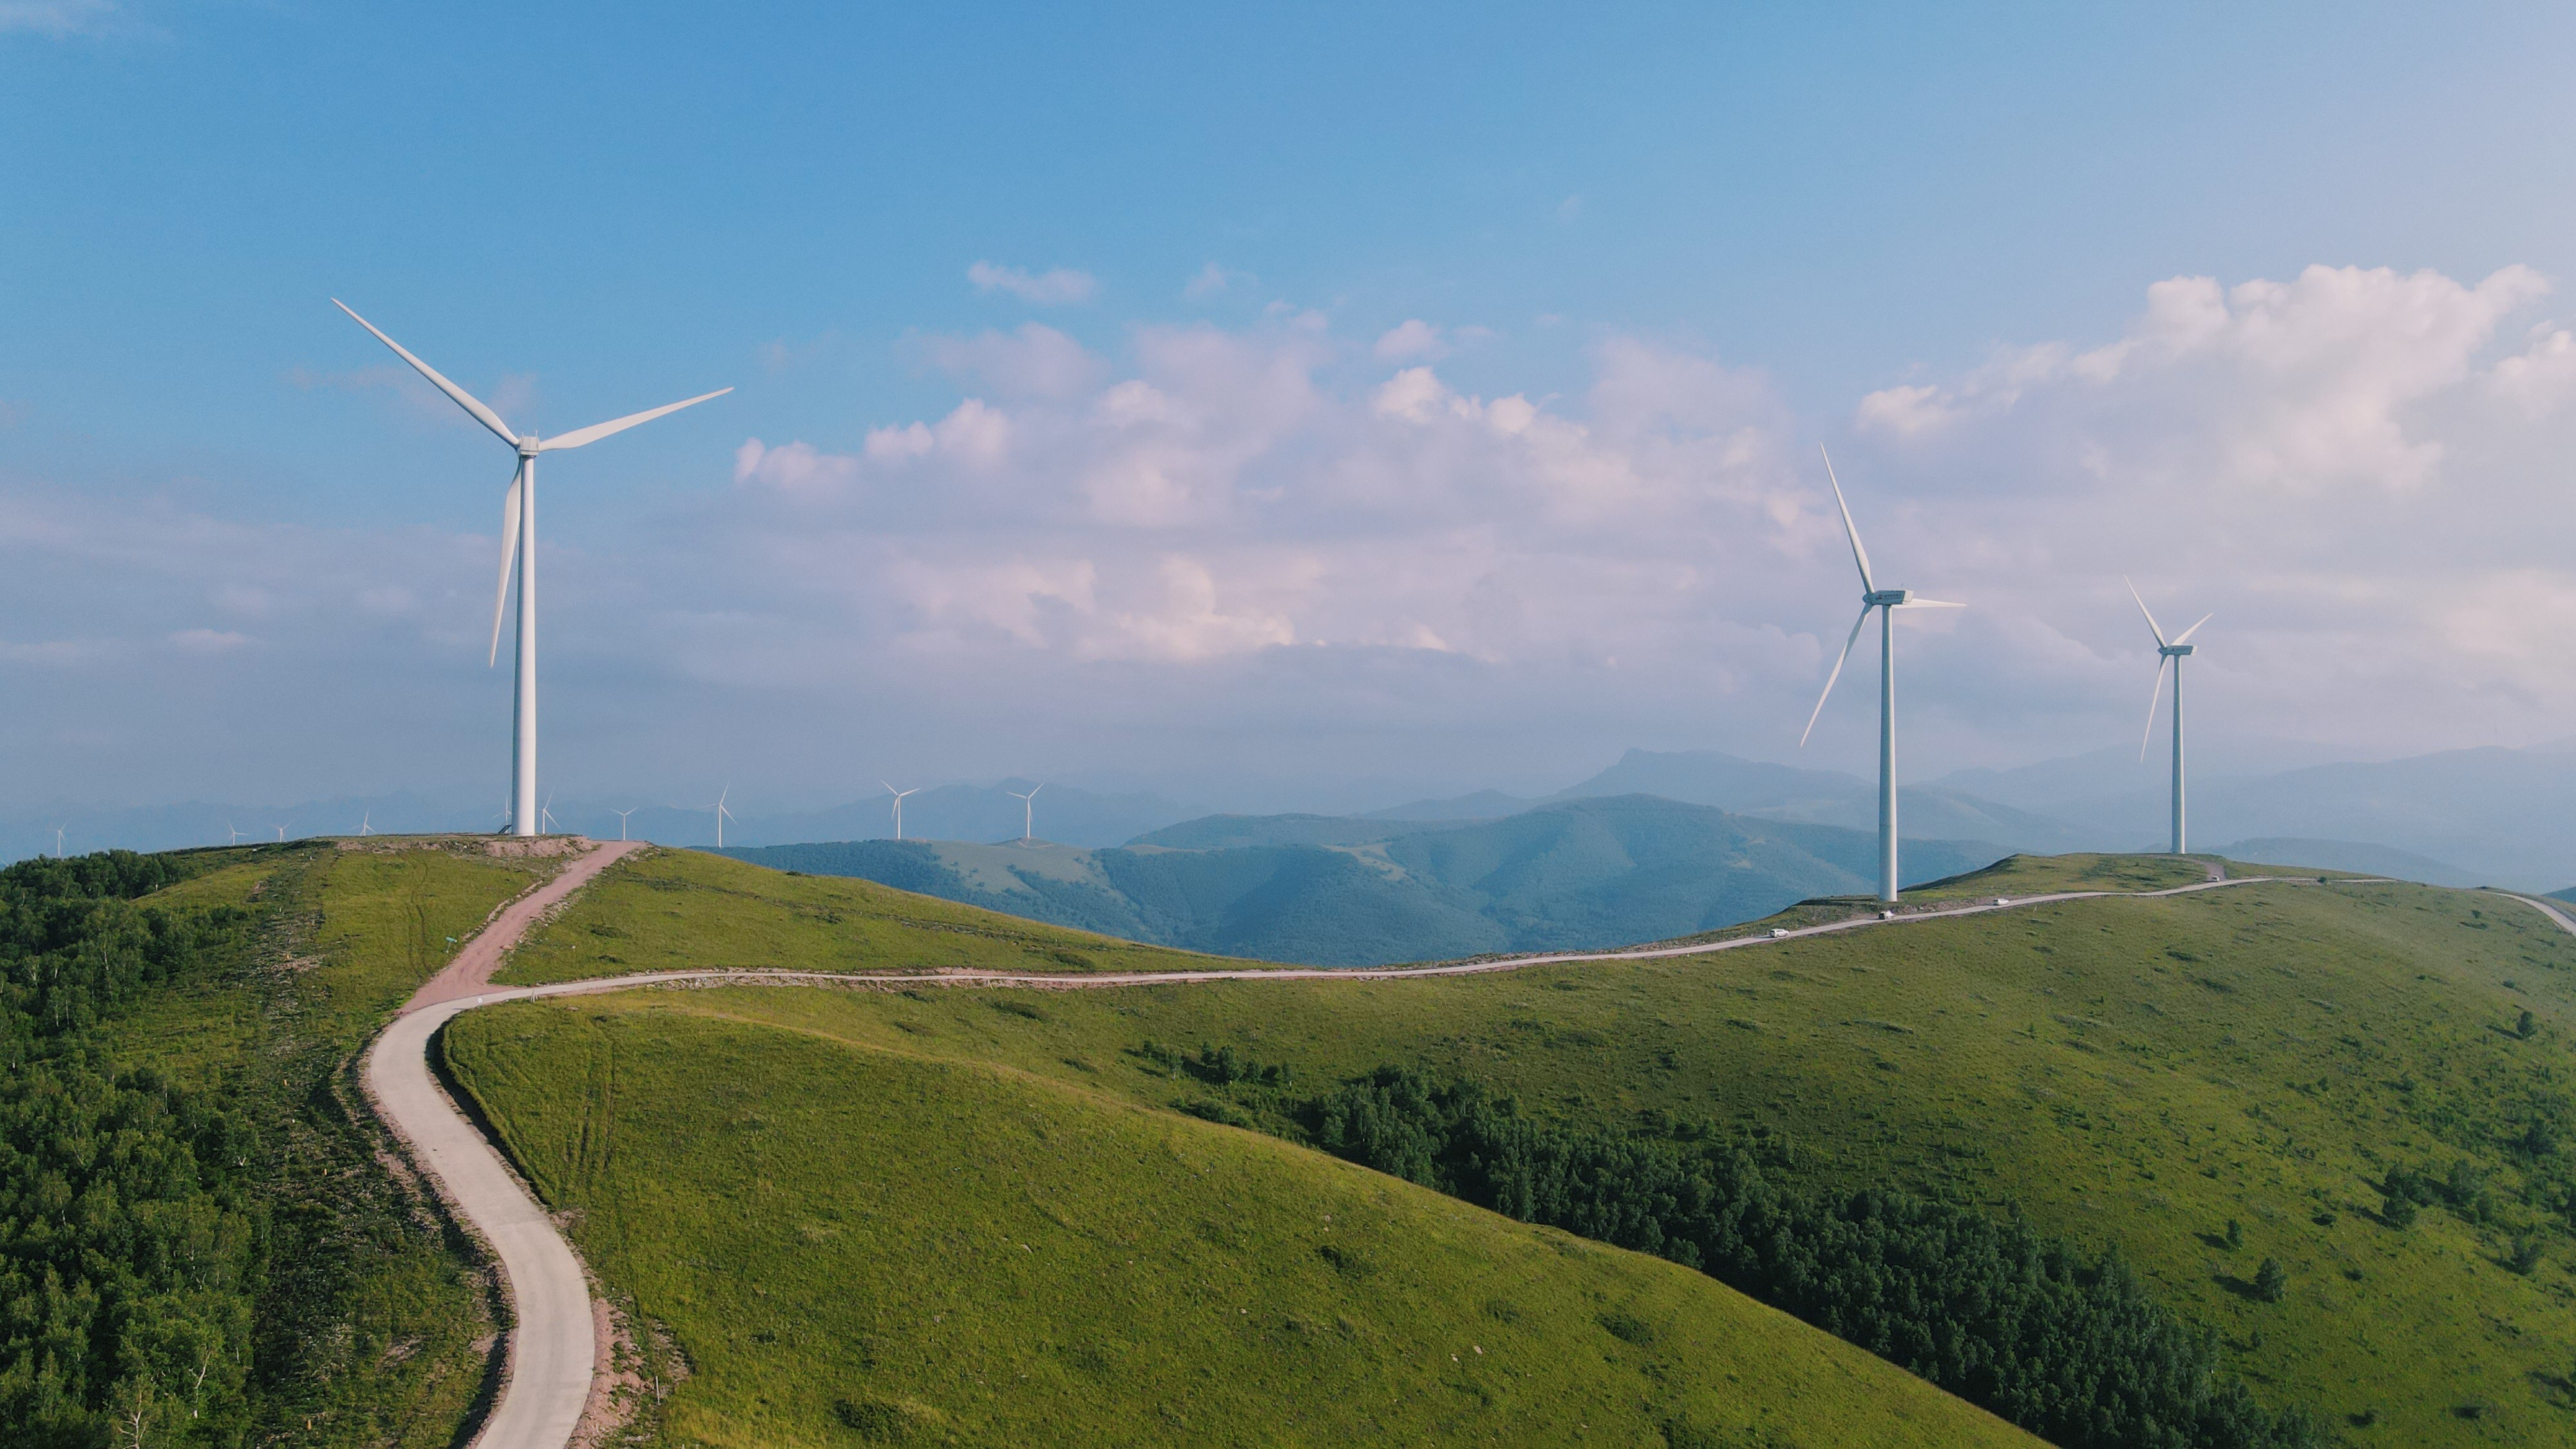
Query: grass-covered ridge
point(675, 910)
point(860, 1243)
point(2131, 1072)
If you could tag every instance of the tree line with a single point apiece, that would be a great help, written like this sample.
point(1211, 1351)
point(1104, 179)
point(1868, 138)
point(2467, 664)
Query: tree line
point(2063, 1343)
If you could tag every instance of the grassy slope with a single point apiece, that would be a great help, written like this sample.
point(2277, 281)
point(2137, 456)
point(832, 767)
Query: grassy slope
point(1001, 1259)
point(672, 910)
point(371, 1319)
point(2130, 1071)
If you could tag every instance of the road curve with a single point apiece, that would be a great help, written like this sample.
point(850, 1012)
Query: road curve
point(547, 1377)
point(552, 1348)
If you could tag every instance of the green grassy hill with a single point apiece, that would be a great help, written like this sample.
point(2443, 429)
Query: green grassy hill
point(854, 1241)
point(1329, 891)
point(2129, 1073)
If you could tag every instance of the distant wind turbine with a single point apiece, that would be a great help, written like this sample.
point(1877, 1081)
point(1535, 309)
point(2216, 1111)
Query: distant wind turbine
point(235, 834)
point(364, 828)
point(1028, 810)
point(2168, 651)
point(629, 810)
point(1887, 602)
point(281, 833)
point(58, 839)
point(546, 815)
point(722, 815)
point(898, 804)
point(519, 541)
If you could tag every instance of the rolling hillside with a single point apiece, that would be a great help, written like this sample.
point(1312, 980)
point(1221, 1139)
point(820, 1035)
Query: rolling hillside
point(1339, 891)
point(852, 1242)
point(2342, 1072)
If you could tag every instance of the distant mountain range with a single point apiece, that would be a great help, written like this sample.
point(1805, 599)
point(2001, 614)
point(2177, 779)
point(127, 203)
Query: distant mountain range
point(1338, 891)
point(2464, 817)
point(2480, 816)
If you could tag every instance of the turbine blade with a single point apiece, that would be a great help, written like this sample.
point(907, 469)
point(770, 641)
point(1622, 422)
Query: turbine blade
point(509, 555)
point(462, 398)
point(2154, 698)
point(597, 431)
point(2185, 635)
point(2152, 626)
point(1930, 604)
point(1837, 674)
point(1860, 555)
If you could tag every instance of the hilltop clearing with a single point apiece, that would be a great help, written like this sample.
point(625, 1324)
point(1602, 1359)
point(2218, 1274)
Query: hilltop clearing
point(1581, 875)
point(2343, 1071)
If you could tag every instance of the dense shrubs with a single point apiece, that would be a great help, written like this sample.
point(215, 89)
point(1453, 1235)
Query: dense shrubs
point(2065, 1345)
point(127, 1253)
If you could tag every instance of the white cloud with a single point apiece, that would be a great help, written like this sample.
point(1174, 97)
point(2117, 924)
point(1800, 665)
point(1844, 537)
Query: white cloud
point(2305, 385)
point(2542, 377)
point(1410, 339)
point(1045, 289)
point(1134, 555)
point(795, 467)
point(1211, 279)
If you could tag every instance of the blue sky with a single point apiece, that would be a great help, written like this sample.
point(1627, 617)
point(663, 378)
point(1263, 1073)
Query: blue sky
point(1770, 222)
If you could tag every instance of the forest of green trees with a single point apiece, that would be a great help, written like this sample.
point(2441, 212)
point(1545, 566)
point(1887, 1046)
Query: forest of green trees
point(129, 1235)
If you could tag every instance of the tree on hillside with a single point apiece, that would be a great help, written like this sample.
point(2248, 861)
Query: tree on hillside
point(2271, 1281)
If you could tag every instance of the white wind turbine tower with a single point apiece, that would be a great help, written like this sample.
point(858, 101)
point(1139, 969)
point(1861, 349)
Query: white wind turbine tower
point(629, 810)
point(898, 805)
point(2168, 651)
point(1028, 810)
point(1887, 602)
point(722, 815)
point(235, 834)
point(58, 839)
point(365, 827)
point(546, 816)
point(519, 542)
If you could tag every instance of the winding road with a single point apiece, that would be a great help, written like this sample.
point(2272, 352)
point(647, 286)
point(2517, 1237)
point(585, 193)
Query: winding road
point(553, 1345)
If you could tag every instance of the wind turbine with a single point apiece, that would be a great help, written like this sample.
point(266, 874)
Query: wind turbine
point(722, 815)
point(546, 815)
point(1028, 809)
point(898, 805)
point(58, 839)
point(364, 828)
point(281, 834)
point(2168, 651)
point(631, 809)
point(235, 834)
point(519, 542)
point(1887, 602)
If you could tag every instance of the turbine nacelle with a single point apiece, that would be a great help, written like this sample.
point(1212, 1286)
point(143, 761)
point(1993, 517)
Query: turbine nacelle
point(1885, 598)
point(2175, 651)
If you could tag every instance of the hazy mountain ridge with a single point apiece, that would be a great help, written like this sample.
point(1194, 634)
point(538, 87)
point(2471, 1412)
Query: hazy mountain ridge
point(1579, 874)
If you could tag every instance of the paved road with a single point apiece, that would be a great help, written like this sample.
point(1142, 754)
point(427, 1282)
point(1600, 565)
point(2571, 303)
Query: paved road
point(552, 1347)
